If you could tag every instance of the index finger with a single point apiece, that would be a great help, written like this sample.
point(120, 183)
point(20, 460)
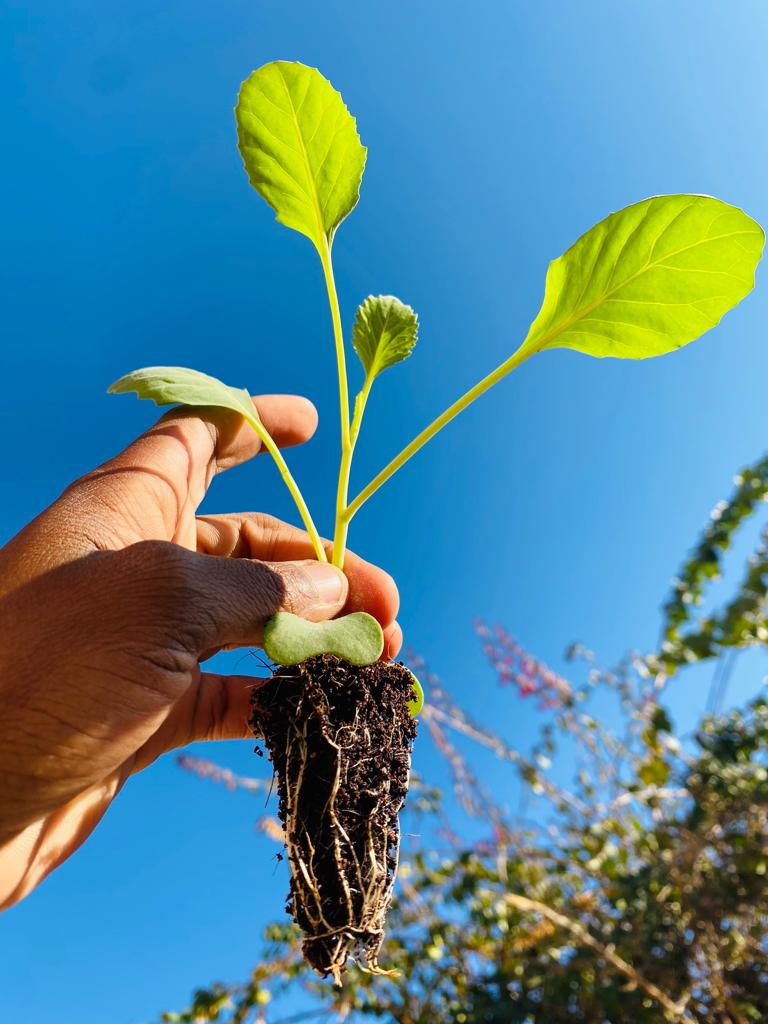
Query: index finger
point(169, 467)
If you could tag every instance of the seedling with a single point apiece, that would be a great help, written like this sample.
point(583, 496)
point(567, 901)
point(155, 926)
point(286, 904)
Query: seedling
point(646, 280)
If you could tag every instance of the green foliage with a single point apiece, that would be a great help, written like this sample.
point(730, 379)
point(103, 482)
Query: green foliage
point(648, 279)
point(207, 1005)
point(644, 281)
point(416, 705)
point(384, 333)
point(175, 385)
point(300, 147)
point(357, 638)
point(742, 620)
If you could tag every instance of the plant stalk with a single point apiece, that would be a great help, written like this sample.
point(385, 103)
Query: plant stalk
point(338, 339)
point(342, 522)
point(347, 445)
point(293, 487)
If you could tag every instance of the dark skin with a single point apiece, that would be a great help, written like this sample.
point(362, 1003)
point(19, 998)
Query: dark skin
point(109, 601)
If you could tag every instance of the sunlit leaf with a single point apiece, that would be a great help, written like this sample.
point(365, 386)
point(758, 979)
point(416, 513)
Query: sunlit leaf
point(648, 279)
point(416, 705)
point(300, 147)
point(176, 385)
point(357, 638)
point(384, 333)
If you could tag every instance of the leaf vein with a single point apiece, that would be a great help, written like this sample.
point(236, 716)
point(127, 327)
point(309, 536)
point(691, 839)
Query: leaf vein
point(579, 314)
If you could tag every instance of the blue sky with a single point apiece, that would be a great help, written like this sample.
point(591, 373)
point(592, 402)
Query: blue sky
point(560, 504)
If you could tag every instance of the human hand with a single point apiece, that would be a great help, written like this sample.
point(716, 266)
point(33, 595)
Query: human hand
point(110, 599)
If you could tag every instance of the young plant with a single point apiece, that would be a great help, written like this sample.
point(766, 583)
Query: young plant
point(646, 280)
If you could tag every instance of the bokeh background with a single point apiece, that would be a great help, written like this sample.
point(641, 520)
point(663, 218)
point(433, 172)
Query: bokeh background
point(561, 504)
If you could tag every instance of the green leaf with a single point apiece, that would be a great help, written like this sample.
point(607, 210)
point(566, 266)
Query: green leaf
point(384, 333)
point(176, 385)
point(300, 147)
point(648, 279)
point(357, 638)
point(416, 705)
point(654, 772)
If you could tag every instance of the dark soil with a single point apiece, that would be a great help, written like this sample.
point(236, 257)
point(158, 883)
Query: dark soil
point(340, 741)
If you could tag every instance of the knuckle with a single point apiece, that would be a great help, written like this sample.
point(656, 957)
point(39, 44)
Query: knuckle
point(161, 561)
point(194, 600)
point(266, 588)
point(270, 530)
point(160, 576)
point(295, 589)
point(269, 525)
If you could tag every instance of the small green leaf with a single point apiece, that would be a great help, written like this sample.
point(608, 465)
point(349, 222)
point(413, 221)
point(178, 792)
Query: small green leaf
point(384, 333)
point(176, 385)
point(648, 279)
point(415, 705)
point(300, 147)
point(357, 638)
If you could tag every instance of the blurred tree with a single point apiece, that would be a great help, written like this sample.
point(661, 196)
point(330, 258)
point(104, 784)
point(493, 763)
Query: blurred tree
point(636, 893)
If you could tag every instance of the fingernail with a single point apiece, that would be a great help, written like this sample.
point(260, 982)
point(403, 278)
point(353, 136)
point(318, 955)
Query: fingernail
point(329, 583)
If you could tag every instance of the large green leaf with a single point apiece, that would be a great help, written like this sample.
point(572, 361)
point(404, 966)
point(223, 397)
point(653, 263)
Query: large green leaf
point(384, 333)
point(176, 385)
point(648, 279)
point(300, 147)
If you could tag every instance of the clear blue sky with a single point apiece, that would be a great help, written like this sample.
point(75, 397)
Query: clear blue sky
point(560, 504)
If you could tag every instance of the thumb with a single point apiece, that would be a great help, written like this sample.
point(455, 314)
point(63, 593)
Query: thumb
point(156, 594)
point(314, 590)
point(216, 602)
point(214, 708)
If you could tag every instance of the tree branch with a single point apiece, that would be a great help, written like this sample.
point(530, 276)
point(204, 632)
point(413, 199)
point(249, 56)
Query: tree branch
point(677, 1009)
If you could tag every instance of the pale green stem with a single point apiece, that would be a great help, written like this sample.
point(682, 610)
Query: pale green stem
point(347, 447)
point(342, 522)
point(338, 339)
point(429, 432)
point(360, 403)
point(292, 486)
